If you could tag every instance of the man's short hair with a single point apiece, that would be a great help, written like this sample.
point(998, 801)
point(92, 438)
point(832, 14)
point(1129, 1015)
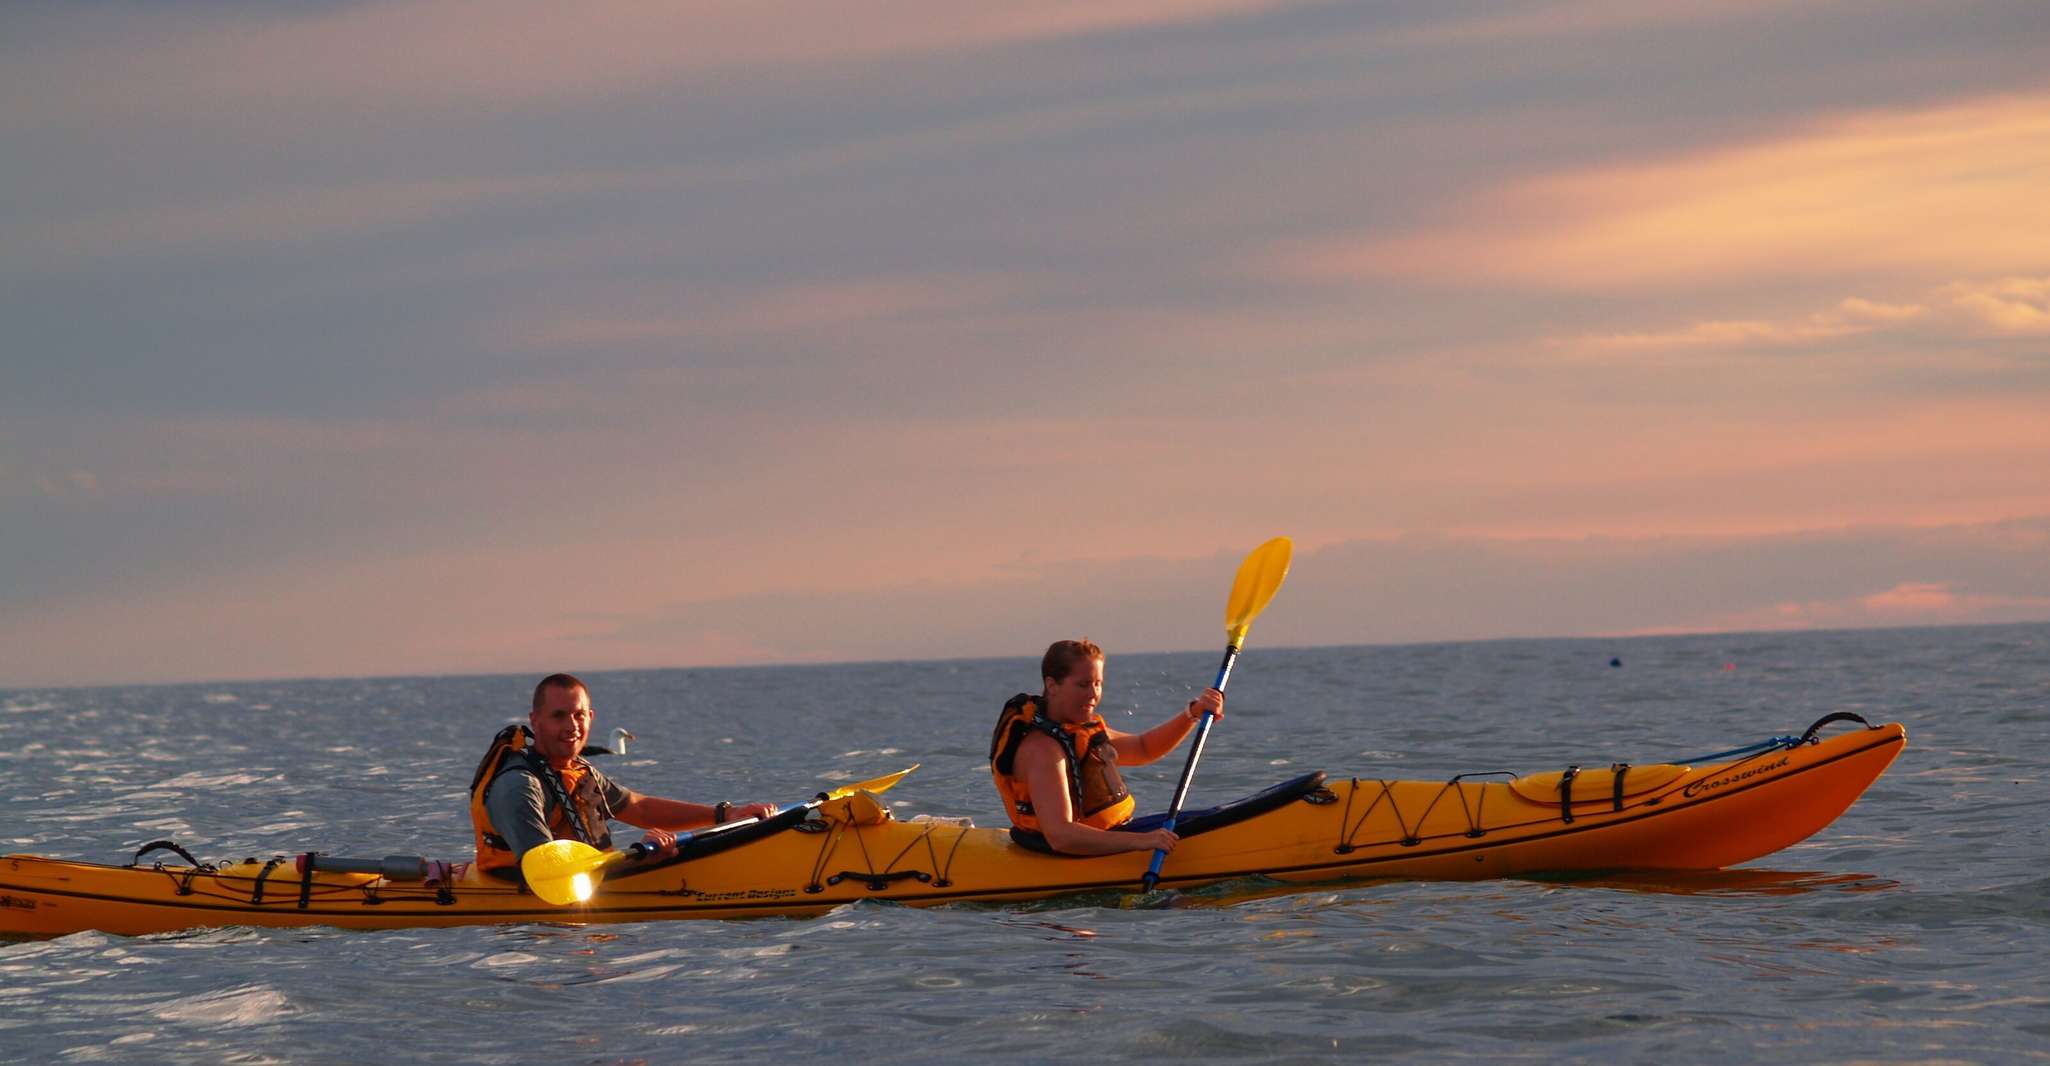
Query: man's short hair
point(1064, 655)
point(555, 681)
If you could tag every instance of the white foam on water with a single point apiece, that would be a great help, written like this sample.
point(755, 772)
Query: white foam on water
point(649, 974)
point(236, 1007)
point(213, 938)
point(277, 827)
point(201, 779)
point(647, 956)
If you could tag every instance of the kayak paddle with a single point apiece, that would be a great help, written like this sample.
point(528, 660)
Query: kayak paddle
point(564, 871)
point(1259, 578)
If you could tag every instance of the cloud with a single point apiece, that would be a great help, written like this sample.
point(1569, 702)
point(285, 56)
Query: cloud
point(1579, 20)
point(1915, 603)
point(1954, 189)
point(20, 480)
point(70, 482)
point(473, 609)
point(450, 54)
point(298, 214)
point(2007, 307)
point(726, 303)
point(1853, 317)
point(767, 311)
point(2012, 307)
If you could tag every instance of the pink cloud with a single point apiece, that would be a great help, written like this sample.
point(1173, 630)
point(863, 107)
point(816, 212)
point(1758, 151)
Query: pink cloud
point(1907, 603)
point(532, 52)
point(662, 601)
point(2007, 307)
point(1580, 18)
point(1728, 334)
point(2010, 307)
point(1956, 189)
point(757, 312)
point(1923, 597)
point(302, 214)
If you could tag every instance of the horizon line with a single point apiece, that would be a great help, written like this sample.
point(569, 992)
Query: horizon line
point(15, 689)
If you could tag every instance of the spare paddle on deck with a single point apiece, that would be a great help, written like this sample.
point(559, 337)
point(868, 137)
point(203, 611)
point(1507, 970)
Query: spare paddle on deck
point(565, 871)
point(1259, 578)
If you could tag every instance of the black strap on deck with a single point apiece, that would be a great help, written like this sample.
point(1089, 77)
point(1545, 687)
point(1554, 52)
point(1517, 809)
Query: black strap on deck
point(256, 894)
point(1809, 737)
point(194, 866)
point(171, 846)
point(1566, 793)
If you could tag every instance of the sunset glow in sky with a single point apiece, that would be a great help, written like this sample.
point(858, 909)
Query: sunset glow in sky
point(393, 338)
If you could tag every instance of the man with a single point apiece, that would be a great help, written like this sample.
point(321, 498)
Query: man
point(534, 786)
point(1056, 763)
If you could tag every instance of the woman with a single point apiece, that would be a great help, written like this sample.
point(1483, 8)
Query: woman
point(1056, 763)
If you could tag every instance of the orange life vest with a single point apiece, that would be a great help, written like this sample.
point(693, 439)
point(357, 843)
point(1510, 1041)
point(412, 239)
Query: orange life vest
point(1096, 793)
point(576, 809)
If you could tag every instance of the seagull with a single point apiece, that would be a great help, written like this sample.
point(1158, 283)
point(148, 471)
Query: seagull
point(618, 746)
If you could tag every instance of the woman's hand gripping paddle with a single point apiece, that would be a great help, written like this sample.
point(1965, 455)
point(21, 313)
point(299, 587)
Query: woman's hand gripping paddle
point(563, 872)
point(1260, 577)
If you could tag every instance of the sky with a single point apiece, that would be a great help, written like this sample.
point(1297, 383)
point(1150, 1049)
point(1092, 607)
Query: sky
point(422, 338)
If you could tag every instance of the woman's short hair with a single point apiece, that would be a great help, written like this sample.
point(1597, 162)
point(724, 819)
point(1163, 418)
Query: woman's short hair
point(1064, 655)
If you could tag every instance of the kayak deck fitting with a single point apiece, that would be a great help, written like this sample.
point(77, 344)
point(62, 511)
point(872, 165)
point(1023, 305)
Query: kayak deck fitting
point(1735, 807)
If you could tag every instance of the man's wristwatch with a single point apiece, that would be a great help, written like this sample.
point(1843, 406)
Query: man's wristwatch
point(720, 810)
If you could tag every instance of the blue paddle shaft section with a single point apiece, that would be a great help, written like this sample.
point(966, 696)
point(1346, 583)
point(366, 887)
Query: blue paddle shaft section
point(1231, 656)
point(1181, 790)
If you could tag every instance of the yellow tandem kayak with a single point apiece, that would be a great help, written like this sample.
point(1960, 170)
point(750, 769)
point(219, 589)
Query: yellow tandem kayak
point(1729, 809)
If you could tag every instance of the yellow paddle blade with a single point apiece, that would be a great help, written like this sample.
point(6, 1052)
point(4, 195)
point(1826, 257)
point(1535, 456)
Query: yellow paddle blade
point(1260, 577)
point(565, 871)
point(880, 784)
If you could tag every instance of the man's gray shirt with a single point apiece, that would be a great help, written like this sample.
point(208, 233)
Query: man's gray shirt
point(518, 805)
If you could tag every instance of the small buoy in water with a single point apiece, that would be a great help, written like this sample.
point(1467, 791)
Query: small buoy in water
point(1615, 662)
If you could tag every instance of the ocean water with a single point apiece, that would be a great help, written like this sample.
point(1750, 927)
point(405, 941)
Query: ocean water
point(1915, 929)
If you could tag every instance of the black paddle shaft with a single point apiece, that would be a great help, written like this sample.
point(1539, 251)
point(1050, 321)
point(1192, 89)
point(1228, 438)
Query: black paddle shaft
point(1181, 790)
